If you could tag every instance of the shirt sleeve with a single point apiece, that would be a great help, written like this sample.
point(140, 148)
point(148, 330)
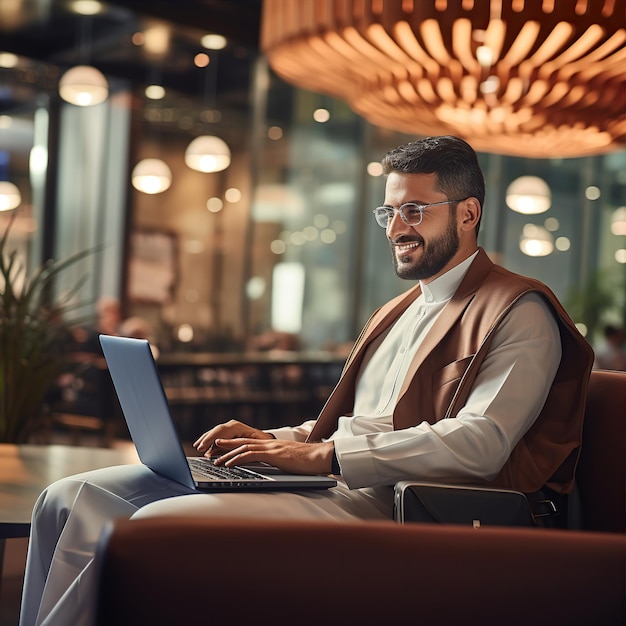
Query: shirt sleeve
point(293, 433)
point(508, 394)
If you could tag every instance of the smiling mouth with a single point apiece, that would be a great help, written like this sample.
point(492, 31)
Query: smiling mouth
point(406, 246)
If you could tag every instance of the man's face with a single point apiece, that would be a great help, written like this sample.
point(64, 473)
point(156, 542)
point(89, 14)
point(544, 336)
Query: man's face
point(425, 251)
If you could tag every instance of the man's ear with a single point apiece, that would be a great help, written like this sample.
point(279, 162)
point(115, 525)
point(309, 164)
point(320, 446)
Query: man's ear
point(469, 214)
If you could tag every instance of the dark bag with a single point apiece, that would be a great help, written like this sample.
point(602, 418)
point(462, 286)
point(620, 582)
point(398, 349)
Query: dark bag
point(452, 504)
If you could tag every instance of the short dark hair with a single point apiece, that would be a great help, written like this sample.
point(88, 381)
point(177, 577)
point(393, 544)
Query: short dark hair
point(451, 159)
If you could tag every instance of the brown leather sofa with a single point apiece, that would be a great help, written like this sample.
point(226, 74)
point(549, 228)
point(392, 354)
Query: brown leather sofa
point(183, 571)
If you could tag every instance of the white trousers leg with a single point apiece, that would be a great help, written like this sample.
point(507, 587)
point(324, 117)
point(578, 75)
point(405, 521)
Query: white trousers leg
point(336, 504)
point(68, 519)
point(67, 522)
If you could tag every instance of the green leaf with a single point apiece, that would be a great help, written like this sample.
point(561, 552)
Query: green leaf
point(31, 325)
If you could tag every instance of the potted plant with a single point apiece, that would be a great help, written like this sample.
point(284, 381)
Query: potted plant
point(32, 330)
point(593, 303)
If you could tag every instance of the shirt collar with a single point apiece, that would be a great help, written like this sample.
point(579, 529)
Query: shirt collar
point(443, 287)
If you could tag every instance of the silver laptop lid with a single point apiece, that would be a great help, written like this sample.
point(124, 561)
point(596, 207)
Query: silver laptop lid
point(144, 404)
point(139, 389)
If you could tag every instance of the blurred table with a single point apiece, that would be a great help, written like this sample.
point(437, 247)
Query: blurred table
point(26, 470)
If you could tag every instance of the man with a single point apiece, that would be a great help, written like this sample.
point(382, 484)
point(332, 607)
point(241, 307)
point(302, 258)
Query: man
point(475, 374)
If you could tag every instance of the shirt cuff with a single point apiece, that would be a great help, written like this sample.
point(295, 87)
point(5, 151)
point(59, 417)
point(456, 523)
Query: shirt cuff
point(357, 461)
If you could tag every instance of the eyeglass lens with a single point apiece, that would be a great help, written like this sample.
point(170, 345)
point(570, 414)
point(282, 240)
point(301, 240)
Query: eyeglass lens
point(410, 213)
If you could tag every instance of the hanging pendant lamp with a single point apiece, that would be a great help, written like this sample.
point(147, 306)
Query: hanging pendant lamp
point(10, 196)
point(618, 221)
point(534, 78)
point(83, 85)
point(536, 241)
point(151, 176)
point(207, 153)
point(529, 195)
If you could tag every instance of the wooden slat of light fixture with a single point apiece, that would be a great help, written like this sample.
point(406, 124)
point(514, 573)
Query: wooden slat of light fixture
point(536, 78)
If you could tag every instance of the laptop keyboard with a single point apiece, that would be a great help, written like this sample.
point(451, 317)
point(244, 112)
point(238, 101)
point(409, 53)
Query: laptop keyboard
point(205, 467)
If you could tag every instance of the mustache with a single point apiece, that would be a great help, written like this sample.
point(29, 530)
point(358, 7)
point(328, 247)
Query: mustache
point(404, 239)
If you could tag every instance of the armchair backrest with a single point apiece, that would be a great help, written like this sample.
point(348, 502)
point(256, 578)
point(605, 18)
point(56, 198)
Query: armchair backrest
point(600, 475)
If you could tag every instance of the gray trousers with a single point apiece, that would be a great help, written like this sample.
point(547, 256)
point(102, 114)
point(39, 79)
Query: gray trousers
point(60, 581)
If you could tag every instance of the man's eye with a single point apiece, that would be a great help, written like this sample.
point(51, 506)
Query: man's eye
point(411, 211)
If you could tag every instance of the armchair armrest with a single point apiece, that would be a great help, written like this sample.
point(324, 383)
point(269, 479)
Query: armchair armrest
point(154, 571)
point(460, 504)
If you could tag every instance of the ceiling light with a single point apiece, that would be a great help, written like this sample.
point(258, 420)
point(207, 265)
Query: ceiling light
point(563, 244)
point(529, 195)
point(213, 42)
point(421, 68)
point(10, 196)
point(536, 241)
point(214, 204)
point(618, 221)
point(8, 59)
point(592, 193)
point(490, 85)
point(207, 154)
point(156, 40)
point(484, 55)
point(233, 195)
point(321, 115)
point(151, 176)
point(155, 92)
point(86, 7)
point(83, 86)
point(274, 133)
point(201, 59)
point(374, 168)
point(552, 224)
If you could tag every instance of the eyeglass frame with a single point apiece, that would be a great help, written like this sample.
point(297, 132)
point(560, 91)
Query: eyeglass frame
point(391, 211)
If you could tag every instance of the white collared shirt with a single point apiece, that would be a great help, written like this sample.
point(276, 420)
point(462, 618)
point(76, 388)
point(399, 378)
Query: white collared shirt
point(387, 361)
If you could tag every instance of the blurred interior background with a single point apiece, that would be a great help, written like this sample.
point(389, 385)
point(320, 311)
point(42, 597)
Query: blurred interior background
point(263, 237)
point(282, 239)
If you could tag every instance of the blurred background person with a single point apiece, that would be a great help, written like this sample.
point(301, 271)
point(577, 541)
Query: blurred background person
point(612, 355)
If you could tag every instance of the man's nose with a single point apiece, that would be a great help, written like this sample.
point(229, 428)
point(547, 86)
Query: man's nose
point(396, 225)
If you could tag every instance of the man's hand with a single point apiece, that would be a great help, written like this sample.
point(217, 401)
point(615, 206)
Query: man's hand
point(230, 430)
point(294, 457)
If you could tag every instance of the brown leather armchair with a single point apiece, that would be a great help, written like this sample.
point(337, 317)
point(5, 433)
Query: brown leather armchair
point(190, 571)
point(602, 466)
point(184, 570)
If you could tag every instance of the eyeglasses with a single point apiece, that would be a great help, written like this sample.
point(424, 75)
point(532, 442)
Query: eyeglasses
point(410, 213)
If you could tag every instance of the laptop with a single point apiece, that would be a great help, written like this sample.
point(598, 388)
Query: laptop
point(144, 404)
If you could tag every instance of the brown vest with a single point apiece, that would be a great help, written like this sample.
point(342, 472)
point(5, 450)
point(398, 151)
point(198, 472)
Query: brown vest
point(443, 370)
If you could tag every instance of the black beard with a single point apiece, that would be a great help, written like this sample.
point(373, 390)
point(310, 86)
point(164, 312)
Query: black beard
point(435, 255)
